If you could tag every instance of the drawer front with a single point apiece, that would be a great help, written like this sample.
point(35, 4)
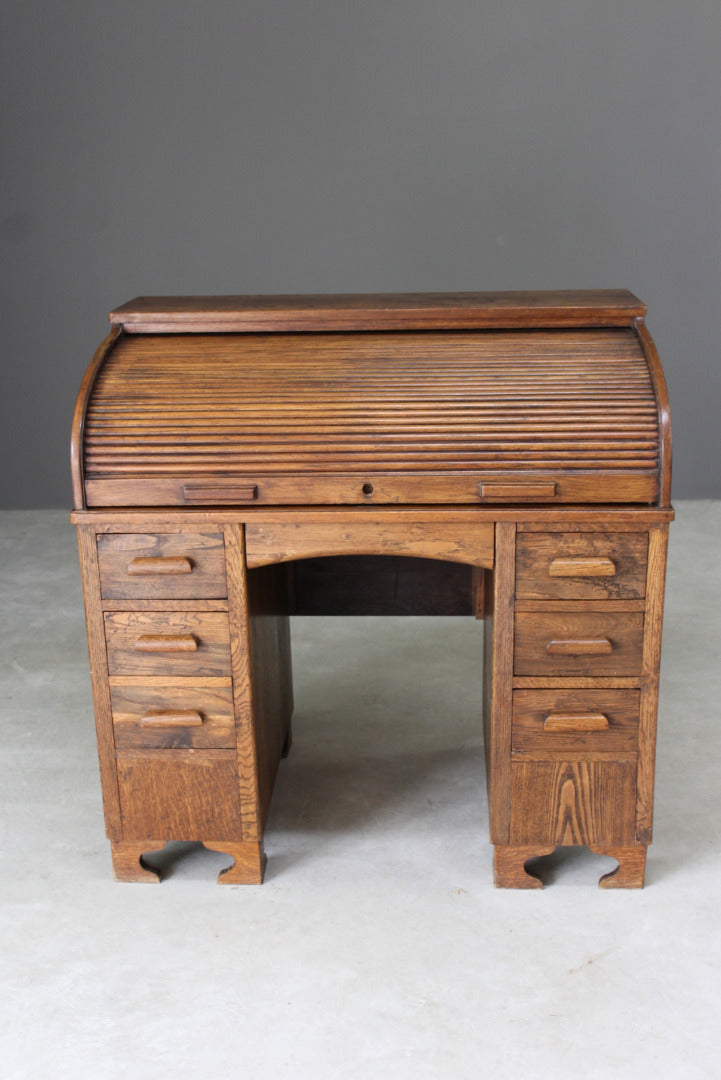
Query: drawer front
point(182, 566)
point(195, 643)
point(592, 643)
point(581, 566)
point(173, 717)
point(179, 795)
point(555, 721)
point(573, 802)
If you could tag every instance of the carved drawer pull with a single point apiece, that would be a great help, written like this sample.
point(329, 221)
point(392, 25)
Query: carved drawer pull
point(582, 567)
point(580, 647)
point(161, 564)
point(171, 718)
point(235, 493)
point(576, 722)
point(170, 643)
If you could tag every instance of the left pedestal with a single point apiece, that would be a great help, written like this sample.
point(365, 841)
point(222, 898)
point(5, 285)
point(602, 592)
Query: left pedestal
point(173, 621)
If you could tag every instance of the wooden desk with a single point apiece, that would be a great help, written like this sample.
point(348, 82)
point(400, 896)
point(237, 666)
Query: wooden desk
point(503, 455)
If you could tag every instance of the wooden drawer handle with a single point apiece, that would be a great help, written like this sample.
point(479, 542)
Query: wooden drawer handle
point(576, 722)
point(237, 493)
point(596, 567)
point(580, 647)
point(170, 643)
point(539, 490)
point(171, 718)
point(161, 564)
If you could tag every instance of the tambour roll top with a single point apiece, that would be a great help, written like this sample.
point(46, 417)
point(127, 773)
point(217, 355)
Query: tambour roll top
point(466, 398)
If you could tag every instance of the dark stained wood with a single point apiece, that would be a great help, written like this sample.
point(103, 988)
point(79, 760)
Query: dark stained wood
point(271, 674)
point(372, 311)
point(382, 585)
point(162, 565)
point(578, 566)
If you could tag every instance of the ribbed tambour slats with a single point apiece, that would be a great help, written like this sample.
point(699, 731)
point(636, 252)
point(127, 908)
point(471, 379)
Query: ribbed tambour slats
point(245, 404)
point(184, 407)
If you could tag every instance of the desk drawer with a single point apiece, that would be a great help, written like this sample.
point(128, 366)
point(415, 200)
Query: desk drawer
point(581, 566)
point(590, 643)
point(556, 721)
point(172, 717)
point(180, 795)
point(174, 565)
point(573, 802)
point(195, 643)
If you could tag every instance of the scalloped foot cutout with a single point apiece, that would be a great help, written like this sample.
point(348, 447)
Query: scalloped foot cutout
point(509, 867)
point(249, 861)
point(128, 862)
point(631, 869)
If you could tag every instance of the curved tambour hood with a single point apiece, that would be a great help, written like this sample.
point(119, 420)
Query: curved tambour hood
point(470, 398)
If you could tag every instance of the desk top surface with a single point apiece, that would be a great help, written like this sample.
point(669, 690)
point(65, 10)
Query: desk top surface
point(376, 311)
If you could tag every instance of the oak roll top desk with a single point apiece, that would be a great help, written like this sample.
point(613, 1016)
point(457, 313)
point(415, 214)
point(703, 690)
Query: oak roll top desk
point(512, 448)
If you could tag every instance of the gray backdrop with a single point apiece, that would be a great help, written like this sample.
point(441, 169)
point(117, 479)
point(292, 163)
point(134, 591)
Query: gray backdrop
point(175, 146)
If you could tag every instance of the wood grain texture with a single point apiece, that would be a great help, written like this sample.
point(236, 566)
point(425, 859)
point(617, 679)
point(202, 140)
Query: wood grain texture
point(581, 566)
point(174, 565)
point(243, 687)
point(537, 632)
point(132, 702)
point(373, 417)
point(128, 862)
point(407, 447)
point(573, 802)
point(210, 631)
point(98, 679)
point(271, 674)
point(497, 681)
point(509, 866)
point(331, 489)
point(247, 868)
point(604, 518)
point(658, 541)
point(373, 311)
point(531, 709)
point(183, 794)
point(249, 861)
point(266, 544)
point(631, 869)
point(664, 414)
point(77, 434)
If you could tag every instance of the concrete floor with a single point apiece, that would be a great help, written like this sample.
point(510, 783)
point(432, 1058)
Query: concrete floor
point(378, 946)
